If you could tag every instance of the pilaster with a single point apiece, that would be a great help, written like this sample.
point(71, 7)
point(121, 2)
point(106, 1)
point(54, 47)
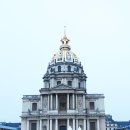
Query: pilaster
point(40, 124)
point(98, 124)
point(48, 102)
point(27, 124)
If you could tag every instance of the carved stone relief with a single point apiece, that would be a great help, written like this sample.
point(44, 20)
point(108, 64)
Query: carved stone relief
point(45, 102)
point(80, 102)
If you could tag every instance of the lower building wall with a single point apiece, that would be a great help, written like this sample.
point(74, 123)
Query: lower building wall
point(51, 125)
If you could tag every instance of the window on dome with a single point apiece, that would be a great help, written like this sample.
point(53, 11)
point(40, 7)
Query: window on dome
point(77, 69)
point(69, 68)
point(52, 70)
point(76, 60)
point(59, 58)
point(34, 106)
point(70, 83)
point(58, 82)
point(79, 85)
point(68, 56)
point(59, 68)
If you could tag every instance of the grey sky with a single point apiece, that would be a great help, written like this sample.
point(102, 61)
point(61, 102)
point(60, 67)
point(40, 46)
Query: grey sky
point(30, 33)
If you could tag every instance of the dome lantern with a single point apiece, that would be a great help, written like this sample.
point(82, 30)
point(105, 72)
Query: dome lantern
point(65, 54)
point(65, 45)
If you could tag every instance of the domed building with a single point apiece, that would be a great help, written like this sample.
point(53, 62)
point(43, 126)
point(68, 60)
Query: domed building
point(63, 102)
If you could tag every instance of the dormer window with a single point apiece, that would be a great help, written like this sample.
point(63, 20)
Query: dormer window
point(34, 106)
point(69, 68)
point(59, 68)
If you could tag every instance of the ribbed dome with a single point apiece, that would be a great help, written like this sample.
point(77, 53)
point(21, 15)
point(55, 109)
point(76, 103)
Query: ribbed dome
point(65, 55)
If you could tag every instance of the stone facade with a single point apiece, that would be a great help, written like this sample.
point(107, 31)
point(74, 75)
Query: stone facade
point(63, 102)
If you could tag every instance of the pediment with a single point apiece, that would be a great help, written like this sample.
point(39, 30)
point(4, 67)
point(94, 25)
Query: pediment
point(62, 86)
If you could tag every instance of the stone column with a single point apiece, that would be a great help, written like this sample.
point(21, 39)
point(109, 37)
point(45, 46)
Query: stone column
point(73, 124)
point(77, 124)
point(48, 102)
point(50, 124)
point(41, 102)
point(83, 102)
point(84, 124)
point(51, 102)
point(56, 101)
point(76, 101)
point(68, 123)
point(87, 124)
point(27, 124)
point(73, 102)
point(40, 124)
point(98, 124)
point(67, 101)
point(56, 124)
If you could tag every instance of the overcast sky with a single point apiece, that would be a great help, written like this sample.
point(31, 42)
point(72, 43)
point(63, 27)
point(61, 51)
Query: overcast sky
point(30, 33)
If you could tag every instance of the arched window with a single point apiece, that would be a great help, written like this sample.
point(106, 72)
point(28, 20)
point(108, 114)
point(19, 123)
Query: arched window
point(59, 68)
point(69, 68)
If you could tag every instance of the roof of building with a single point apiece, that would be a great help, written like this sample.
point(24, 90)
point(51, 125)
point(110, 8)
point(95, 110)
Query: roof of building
point(10, 126)
point(7, 127)
point(120, 124)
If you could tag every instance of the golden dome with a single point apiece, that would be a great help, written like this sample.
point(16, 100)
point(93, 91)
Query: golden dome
point(65, 55)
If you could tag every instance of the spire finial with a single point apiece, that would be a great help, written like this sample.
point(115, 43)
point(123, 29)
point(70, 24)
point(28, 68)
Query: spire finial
point(65, 41)
point(64, 31)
